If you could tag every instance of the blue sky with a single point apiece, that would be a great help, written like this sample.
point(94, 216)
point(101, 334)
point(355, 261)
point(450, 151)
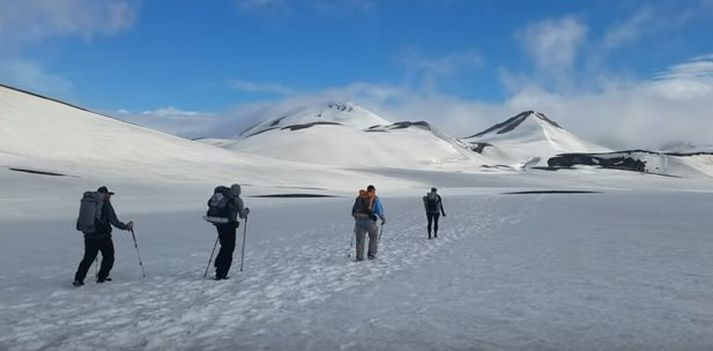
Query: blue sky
point(192, 67)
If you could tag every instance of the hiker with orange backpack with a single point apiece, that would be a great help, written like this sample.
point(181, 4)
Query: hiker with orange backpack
point(367, 207)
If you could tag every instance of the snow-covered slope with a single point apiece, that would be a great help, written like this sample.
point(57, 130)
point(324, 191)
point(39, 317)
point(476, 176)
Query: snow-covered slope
point(673, 164)
point(42, 134)
point(349, 135)
point(331, 113)
point(37, 132)
point(527, 136)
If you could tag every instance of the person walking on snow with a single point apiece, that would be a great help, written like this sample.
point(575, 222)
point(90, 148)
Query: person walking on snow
point(226, 233)
point(367, 207)
point(98, 236)
point(434, 208)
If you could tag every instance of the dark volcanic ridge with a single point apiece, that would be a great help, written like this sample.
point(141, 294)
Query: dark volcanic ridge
point(512, 123)
point(399, 125)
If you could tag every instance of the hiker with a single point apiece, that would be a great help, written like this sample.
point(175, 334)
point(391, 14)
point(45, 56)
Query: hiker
point(367, 207)
point(227, 205)
point(95, 220)
point(434, 208)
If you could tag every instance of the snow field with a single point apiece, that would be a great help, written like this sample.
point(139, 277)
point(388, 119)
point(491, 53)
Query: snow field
point(513, 272)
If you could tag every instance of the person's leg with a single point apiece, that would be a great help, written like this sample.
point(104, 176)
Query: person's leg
point(360, 232)
point(373, 240)
point(226, 235)
point(435, 224)
point(430, 221)
point(90, 253)
point(106, 246)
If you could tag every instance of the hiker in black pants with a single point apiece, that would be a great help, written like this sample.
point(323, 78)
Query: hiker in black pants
point(434, 208)
point(98, 238)
point(226, 233)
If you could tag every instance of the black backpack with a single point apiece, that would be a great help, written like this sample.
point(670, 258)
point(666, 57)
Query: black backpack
point(220, 206)
point(362, 206)
point(432, 203)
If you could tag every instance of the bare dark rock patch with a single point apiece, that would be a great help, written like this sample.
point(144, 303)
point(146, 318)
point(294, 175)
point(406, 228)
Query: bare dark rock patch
point(293, 196)
point(530, 192)
point(32, 171)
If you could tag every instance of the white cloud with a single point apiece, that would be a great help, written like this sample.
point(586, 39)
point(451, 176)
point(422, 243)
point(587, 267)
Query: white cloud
point(23, 23)
point(259, 87)
point(553, 44)
point(173, 120)
point(30, 75)
point(631, 30)
point(428, 71)
point(673, 106)
point(32, 22)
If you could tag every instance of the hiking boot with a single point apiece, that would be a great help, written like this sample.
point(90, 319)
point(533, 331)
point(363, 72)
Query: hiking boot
point(371, 257)
point(221, 278)
point(101, 280)
point(435, 236)
point(77, 283)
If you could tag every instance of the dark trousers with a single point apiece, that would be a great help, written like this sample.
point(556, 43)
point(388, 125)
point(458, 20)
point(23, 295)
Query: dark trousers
point(226, 235)
point(91, 248)
point(433, 219)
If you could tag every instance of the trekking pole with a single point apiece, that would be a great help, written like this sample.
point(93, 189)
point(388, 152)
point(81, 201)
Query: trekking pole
point(211, 257)
point(245, 231)
point(137, 253)
point(351, 245)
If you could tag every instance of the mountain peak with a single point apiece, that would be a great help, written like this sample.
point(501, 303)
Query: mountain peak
point(513, 122)
point(332, 113)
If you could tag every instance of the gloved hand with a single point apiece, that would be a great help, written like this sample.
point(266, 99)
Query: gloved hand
point(247, 211)
point(383, 221)
point(130, 225)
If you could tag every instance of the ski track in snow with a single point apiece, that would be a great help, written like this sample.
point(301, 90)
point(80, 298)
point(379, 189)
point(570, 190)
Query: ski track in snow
point(188, 313)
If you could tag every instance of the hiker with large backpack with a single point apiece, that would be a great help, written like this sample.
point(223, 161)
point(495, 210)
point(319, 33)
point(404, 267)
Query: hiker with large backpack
point(367, 207)
point(434, 208)
point(96, 217)
point(224, 208)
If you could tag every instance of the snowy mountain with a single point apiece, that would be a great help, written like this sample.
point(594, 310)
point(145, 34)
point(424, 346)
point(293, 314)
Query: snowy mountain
point(527, 138)
point(47, 136)
point(672, 164)
point(346, 134)
point(331, 113)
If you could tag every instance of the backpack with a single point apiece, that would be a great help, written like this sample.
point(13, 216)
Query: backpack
point(89, 211)
point(220, 206)
point(362, 206)
point(432, 202)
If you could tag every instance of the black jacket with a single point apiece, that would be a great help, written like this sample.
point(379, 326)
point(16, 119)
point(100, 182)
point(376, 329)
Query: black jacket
point(105, 221)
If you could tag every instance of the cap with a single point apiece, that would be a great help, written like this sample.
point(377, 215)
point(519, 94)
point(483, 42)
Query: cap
point(433, 190)
point(103, 189)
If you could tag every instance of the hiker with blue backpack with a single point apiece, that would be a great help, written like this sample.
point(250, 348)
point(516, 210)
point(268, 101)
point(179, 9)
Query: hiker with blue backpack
point(367, 207)
point(434, 208)
point(96, 217)
point(224, 208)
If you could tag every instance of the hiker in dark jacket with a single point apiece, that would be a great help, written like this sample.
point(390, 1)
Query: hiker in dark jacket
point(226, 234)
point(99, 239)
point(434, 208)
point(367, 207)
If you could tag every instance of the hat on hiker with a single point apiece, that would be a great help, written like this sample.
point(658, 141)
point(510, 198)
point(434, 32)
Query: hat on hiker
point(102, 189)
